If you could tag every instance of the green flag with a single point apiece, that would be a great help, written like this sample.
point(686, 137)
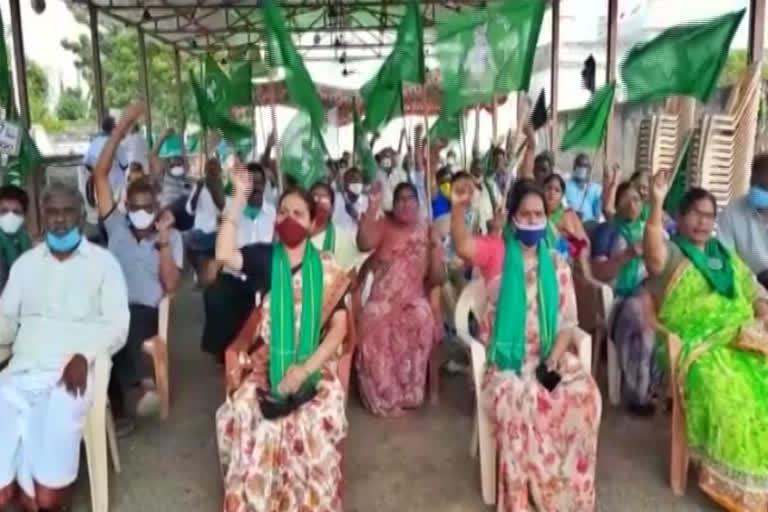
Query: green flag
point(589, 128)
point(240, 85)
point(447, 126)
point(282, 53)
point(383, 95)
point(488, 51)
point(211, 117)
point(363, 154)
point(302, 151)
point(685, 59)
point(680, 180)
point(216, 84)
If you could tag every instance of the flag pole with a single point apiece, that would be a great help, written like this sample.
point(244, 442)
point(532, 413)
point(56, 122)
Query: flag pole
point(273, 114)
point(495, 121)
point(427, 149)
point(463, 137)
point(405, 121)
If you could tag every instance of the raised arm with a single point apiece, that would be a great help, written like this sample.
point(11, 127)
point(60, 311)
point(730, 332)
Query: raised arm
point(654, 243)
point(461, 198)
point(371, 229)
point(170, 271)
point(155, 162)
point(525, 170)
point(610, 184)
point(227, 250)
point(268, 149)
point(101, 185)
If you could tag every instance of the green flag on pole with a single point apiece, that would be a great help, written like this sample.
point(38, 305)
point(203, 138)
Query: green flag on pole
point(283, 54)
point(302, 151)
point(240, 85)
point(680, 179)
point(588, 131)
point(685, 59)
point(383, 94)
point(447, 127)
point(216, 84)
point(488, 52)
point(363, 154)
point(213, 118)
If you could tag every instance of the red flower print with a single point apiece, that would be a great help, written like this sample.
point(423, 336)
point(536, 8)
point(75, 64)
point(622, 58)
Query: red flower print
point(327, 424)
point(542, 405)
point(298, 447)
point(582, 465)
point(549, 459)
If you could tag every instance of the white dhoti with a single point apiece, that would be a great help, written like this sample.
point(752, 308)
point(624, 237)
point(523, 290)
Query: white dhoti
point(41, 427)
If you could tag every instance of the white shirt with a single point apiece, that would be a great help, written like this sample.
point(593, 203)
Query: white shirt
point(135, 147)
point(341, 217)
point(206, 214)
point(51, 310)
point(482, 205)
point(259, 230)
point(388, 184)
point(742, 229)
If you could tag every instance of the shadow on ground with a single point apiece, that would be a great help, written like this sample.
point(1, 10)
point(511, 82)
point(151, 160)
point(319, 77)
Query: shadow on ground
point(419, 463)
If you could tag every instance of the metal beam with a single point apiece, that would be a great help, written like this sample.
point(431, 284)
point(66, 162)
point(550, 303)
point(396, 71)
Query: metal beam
point(610, 73)
point(756, 30)
point(286, 4)
point(554, 66)
point(21, 65)
point(98, 79)
point(179, 89)
point(144, 77)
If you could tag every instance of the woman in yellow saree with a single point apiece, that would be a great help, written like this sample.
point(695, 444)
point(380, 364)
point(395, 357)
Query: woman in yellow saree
point(707, 296)
point(279, 429)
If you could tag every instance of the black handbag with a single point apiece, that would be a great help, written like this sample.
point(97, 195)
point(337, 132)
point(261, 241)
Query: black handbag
point(273, 408)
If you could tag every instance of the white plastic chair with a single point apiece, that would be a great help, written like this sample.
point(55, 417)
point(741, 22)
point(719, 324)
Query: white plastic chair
point(157, 348)
point(614, 368)
point(98, 430)
point(473, 298)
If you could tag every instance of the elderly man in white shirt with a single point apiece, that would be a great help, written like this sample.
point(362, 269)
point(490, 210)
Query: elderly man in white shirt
point(64, 304)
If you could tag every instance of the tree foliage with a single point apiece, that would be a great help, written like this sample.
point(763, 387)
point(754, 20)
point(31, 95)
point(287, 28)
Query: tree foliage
point(735, 67)
point(120, 71)
point(72, 105)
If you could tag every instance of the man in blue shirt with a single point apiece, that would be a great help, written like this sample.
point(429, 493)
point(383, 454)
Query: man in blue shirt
point(583, 195)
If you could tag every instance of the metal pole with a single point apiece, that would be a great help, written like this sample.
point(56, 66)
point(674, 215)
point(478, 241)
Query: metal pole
point(756, 30)
point(98, 83)
point(21, 65)
point(144, 76)
point(555, 77)
point(179, 90)
point(610, 73)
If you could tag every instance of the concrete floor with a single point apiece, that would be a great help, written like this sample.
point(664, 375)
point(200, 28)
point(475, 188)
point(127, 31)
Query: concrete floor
point(419, 463)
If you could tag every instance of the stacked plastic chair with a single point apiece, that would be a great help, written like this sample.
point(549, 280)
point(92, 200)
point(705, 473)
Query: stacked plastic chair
point(657, 143)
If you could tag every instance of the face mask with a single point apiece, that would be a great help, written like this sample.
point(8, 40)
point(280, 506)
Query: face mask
point(141, 219)
point(251, 211)
point(580, 172)
point(64, 243)
point(355, 188)
point(291, 233)
point(177, 171)
point(758, 197)
point(445, 189)
point(322, 215)
point(11, 222)
point(530, 235)
point(451, 160)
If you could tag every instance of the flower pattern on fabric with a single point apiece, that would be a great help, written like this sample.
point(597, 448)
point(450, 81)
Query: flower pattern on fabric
point(398, 330)
point(547, 440)
point(290, 464)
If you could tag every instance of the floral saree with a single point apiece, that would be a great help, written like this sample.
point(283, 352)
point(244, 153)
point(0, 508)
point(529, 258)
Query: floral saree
point(289, 464)
point(725, 389)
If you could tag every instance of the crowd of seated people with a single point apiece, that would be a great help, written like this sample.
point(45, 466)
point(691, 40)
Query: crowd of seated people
point(277, 270)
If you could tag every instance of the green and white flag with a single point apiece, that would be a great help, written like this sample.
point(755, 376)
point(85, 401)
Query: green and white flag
point(488, 52)
point(302, 151)
point(363, 154)
point(214, 118)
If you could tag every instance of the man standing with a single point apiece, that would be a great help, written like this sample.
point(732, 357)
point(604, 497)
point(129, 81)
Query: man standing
point(64, 304)
point(584, 196)
point(350, 203)
point(743, 224)
point(390, 176)
point(150, 253)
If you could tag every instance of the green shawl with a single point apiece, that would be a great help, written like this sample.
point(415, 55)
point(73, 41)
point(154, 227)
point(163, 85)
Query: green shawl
point(507, 348)
point(629, 273)
point(251, 211)
point(714, 263)
point(284, 352)
point(552, 232)
point(329, 242)
point(11, 246)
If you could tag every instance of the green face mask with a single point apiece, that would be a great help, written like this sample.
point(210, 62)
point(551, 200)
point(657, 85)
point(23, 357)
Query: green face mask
point(251, 211)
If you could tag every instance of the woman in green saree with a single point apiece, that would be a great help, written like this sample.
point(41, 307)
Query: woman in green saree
point(706, 295)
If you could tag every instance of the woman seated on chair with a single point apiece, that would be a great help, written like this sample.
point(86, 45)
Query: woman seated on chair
point(326, 236)
point(546, 430)
point(283, 418)
point(565, 232)
point(617, 259)
point(711, 301)
point(397, 328)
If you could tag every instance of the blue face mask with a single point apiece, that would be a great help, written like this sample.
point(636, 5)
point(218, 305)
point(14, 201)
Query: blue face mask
point(758, 197)
point(64, 243)
point(530, 235)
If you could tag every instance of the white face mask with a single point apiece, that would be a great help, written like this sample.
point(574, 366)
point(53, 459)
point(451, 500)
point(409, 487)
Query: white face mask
point(177, 171)
point(386, 163)
point(356, 188)
point(11, 222)
point(141, 219)
point(580, 172)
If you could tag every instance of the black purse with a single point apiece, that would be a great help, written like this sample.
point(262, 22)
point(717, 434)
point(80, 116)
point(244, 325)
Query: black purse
point(274, 408)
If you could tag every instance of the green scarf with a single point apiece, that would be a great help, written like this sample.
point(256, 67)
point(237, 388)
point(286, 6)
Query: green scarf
point(11, 246)
point(329, 242)
point(645, 212)
point(714, 263)
point(507, 348)
point(284, 352)
point(552, 222)
point(629, 273)
point(251, 211)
